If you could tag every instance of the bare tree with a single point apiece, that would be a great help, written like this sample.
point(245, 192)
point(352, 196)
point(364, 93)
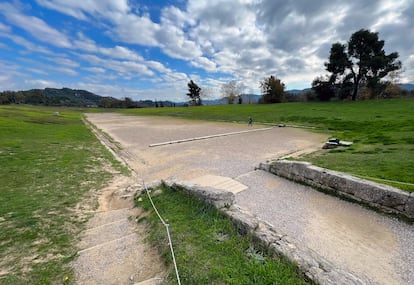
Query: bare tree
point(207, 92)
point(231, 90)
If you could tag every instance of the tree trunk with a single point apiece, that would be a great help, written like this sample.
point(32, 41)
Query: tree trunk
point(357, 78)
point(355, 91)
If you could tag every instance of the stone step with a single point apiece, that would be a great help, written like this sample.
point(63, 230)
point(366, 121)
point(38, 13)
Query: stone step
point(152, 281)
point(102, 218)
point(121, 264)
point(107, 232)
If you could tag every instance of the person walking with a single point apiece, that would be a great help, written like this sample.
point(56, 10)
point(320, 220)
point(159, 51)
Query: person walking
point(250, 122)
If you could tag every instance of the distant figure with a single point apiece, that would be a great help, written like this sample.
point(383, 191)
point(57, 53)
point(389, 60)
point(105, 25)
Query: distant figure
point(250, 122)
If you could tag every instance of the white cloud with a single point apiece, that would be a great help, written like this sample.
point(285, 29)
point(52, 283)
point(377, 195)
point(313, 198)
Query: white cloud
point(133, 29)
point(124, 68)
point(37, 70)
point(158, 66)
point(86, 44)
point(95, 69)
point(60, 60)
point(30, 47)
point(243, 40)
point(40, 83)
point(65, 70)
point(204, 63)
point(175, 44)
point(35, 26)
point(4, 28)
point(80, 9)
point(171, 15)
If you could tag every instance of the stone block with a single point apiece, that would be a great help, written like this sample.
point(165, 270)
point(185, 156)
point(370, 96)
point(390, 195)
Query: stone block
point(377, 195)
point(216, 197)
point(264, 166)
point(394, 198)
point(409, 207)
point(245, 223)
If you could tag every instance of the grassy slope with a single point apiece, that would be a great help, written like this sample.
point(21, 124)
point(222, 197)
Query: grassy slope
point(208, 248)
point(382, 130)
point(47, 165)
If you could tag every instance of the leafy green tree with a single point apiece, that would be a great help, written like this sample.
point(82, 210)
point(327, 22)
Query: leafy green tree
point(129, 103)
point(273, 90)
point(194, 93)
point(362, 62)
point(338, 62)
point(35, 97)
point(324, 89)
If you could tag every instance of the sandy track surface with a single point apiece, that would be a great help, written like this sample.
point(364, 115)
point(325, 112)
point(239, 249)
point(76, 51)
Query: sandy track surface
point(227, 156)
point(376, 248)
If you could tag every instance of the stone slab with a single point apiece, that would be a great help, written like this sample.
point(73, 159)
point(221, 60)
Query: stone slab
point(220, 182)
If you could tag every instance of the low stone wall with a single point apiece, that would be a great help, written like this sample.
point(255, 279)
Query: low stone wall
point(309, 262)
point(383, 197)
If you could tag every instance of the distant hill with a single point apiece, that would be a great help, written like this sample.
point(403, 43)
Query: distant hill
point(74, 98)
point(246, 99)
point(407, 86)
point(71, 97)
point(298, 91)
point(254, 98)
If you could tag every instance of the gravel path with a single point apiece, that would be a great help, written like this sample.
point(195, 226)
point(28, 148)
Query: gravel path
point(377, 248)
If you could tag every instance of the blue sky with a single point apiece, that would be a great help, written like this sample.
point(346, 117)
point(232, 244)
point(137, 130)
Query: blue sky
point(151, 49)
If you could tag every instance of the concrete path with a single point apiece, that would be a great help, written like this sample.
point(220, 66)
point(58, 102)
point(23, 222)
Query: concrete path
point(374, 247)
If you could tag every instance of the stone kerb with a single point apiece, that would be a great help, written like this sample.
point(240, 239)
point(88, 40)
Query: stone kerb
point(215, 197)
point(314, 266)
point(383, 197)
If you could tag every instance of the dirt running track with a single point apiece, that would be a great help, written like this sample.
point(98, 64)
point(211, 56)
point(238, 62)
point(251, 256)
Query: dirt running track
point(374, 247)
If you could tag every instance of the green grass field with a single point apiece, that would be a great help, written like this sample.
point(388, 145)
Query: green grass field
point(48, 164)
point(207, 246)
point(382, 132)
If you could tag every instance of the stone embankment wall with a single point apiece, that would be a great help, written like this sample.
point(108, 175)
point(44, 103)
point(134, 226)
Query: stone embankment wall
point(379, 196)
point(310, 263)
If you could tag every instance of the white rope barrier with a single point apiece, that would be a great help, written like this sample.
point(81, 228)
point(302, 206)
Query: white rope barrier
point(168, 232)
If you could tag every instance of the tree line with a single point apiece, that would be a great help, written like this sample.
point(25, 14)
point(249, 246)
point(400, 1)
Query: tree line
point(357, 70)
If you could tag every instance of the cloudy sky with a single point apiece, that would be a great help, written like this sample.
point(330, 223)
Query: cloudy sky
point(151, 49)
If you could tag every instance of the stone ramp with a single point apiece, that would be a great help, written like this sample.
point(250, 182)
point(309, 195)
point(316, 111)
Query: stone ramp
point(220, 182)
point(110, 252)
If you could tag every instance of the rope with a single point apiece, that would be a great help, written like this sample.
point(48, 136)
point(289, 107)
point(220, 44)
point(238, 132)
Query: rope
point(168, 232)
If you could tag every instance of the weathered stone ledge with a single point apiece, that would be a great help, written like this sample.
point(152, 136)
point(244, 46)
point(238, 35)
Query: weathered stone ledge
point(383, 197)
point(314, 266)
